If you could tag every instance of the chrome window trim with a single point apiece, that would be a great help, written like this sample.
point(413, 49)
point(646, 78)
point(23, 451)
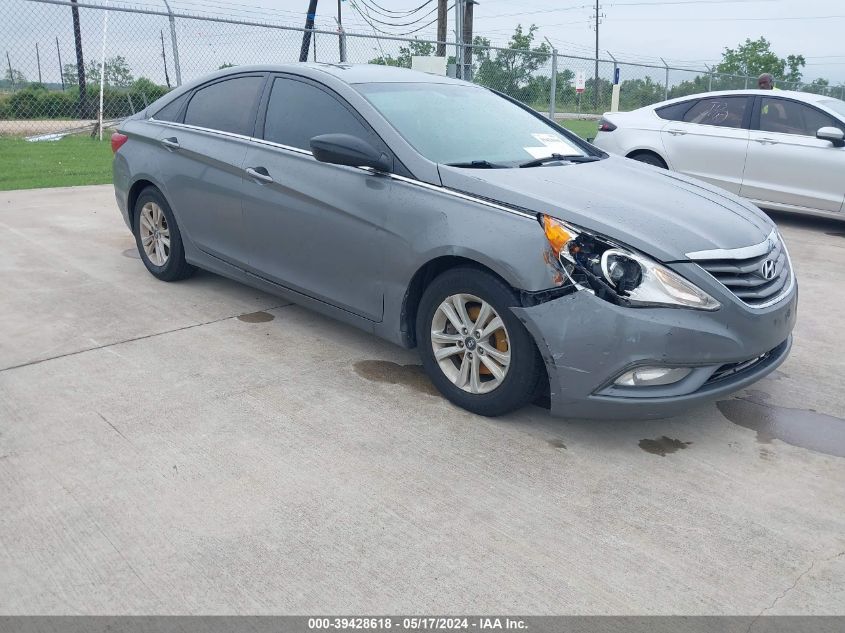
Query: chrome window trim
point(745, 252)
point(305, 152)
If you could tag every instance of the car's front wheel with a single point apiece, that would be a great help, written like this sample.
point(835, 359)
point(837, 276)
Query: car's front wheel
point(476, 352)
point(158, 238)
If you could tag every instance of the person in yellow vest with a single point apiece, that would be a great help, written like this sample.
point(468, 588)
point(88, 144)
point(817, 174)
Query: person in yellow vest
point(766, 82)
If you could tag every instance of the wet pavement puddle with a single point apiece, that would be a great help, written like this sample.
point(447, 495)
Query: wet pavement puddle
point(804, 428)
point(663, 446)
point(256, 317)
point(385, 371)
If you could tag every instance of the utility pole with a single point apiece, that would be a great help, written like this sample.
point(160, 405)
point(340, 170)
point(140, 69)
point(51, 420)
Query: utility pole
point(11, 72)
point(61, 68)
point(341, 38)
point(38, 61)
point(164, 59)
point(82, 105)
point(309, 26)
point(596, 80)
point(441, 28)
point(466, 38)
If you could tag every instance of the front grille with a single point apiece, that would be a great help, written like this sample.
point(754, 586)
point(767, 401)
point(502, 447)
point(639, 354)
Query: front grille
point(741, 270)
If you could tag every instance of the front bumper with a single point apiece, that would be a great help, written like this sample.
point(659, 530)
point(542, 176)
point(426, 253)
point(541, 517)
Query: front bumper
point(587, 342)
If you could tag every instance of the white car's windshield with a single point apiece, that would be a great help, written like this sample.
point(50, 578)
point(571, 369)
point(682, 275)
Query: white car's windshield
point(466, 125)
point(836, 105)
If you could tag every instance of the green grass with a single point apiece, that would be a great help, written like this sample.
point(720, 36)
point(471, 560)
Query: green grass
point(584, 129)
point(74, 160)
point(80, 160)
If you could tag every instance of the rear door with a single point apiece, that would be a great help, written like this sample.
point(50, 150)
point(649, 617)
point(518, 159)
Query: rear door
point(314, 227)
point(787, 164)
point(710, 140)
point(203, 168)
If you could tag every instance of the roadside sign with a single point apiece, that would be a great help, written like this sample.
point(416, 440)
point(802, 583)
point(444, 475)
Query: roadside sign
point(580, 82)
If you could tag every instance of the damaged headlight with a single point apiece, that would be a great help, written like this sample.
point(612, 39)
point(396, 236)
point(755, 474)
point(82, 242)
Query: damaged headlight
point(618, 274)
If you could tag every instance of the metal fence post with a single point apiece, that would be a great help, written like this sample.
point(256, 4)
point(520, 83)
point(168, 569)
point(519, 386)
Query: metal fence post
point(746, 83)
point(666, 87)
point(175, 45)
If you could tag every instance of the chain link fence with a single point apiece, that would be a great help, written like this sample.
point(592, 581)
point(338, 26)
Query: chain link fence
point(57, 53)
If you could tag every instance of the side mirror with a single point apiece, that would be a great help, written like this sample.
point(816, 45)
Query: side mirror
point(832, 134)
point(345, 149)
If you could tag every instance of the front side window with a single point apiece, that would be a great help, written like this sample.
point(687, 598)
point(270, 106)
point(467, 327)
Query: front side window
point(791, 117)
point(298, 111)
point(718, 111)
point(228, 106)
point(454, 124)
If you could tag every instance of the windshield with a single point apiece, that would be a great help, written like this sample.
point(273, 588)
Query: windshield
point(836, 105)
point(462, 124)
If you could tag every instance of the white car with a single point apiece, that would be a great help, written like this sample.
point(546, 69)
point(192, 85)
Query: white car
point(782, 150)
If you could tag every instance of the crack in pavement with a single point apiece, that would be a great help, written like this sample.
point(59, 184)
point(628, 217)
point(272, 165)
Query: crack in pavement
point(791, 587)
point(131, 340)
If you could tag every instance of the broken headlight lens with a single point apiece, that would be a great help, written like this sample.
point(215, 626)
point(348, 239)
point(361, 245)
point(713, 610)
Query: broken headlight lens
point(618, 274)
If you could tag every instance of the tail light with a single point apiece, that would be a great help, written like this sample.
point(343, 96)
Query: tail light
point(117, 141)
point(606, 126)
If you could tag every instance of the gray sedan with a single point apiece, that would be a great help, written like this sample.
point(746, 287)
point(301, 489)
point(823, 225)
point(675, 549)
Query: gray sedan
point(523, 263)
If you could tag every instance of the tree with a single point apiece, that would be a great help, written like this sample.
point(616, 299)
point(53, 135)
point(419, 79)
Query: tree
point(117, 72)
point(414, 49)
point(510, 70)
point(756, 57)
point(15, 77)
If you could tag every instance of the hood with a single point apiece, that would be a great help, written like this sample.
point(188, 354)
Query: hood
point(660, 213)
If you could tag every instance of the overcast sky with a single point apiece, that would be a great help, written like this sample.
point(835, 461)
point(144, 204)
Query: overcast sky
point(685, 32)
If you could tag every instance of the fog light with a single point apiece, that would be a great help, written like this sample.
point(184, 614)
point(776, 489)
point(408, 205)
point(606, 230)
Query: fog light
point(652, 376)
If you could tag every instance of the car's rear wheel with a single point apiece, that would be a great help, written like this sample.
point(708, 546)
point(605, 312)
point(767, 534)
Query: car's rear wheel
point(476, 352)
point(649, 158)
point(158, 238)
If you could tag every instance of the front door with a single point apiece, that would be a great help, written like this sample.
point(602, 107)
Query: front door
point(314, 227)
point(787, 164)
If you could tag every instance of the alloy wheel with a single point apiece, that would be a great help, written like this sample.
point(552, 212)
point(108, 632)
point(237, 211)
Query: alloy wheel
point(155, 234)
point(470, 343)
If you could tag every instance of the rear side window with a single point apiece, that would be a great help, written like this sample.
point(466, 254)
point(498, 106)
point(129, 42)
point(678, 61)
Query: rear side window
point(791, 117)
point(227, 105)
point(172, 111)
point(719, 111)
point(674, 112)
point(298, 111)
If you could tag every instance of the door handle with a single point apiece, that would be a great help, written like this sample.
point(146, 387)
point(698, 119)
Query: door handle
point(259, 173)
point(676, 132)
point(766, 141)
point(170, 143)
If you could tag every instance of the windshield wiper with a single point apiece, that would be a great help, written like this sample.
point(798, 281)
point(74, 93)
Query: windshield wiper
point(476, 164)
point(560, 157)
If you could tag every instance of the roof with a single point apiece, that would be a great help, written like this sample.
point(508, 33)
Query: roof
point(809, 97)
point(349, 73)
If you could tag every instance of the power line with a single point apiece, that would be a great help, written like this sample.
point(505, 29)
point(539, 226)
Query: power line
point(377, 8)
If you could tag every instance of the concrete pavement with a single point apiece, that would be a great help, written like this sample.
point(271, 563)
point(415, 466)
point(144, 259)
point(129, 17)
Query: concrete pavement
point(202, 447)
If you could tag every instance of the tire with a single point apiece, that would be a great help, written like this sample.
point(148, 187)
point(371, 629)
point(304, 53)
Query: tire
point(166, 261)
point(479, 390)
point(649, 159)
